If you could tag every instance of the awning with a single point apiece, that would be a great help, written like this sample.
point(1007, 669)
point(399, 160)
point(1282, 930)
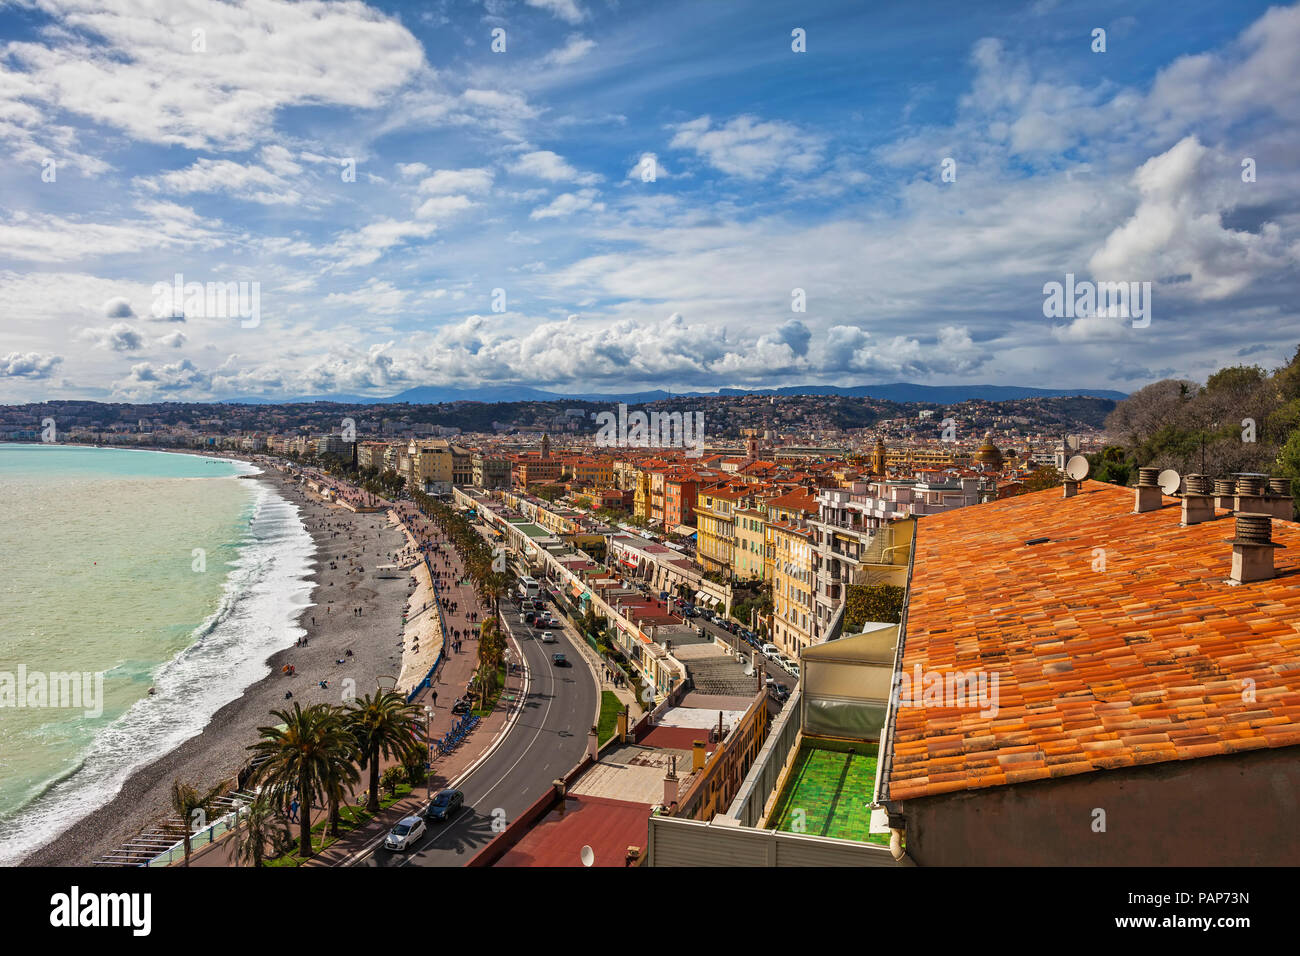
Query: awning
point(684, 530)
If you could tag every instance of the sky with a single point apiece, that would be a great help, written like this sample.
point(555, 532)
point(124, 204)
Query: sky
point(605, 195)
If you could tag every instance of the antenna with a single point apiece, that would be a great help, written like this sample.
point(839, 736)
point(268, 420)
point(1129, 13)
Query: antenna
point(588, 857)
point(1076, 469)
point(1170, 481)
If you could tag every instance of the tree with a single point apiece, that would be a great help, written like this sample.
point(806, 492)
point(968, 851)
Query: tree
point(393, 777)
point(298, 758)
point(259, 826)
point(1041, 479)
point(416, 764)
point(1288, 466)
point(383, 725)
point(491, 654)
point(872, 602)
point(188, 802)
point(341, 775)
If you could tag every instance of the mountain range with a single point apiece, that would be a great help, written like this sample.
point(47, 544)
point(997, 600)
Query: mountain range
point(895, 392)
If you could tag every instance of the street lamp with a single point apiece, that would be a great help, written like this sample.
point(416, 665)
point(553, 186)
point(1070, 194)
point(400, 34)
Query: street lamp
point(428, 742)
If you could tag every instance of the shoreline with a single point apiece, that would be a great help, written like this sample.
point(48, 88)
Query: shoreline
point(347, 545)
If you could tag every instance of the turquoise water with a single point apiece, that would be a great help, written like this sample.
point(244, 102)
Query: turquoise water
point(152, 570)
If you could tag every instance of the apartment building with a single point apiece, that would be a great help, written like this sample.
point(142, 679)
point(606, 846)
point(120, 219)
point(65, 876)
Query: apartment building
point(793, 607)
point(489, 472)
point(715, 522)
point(748, 562)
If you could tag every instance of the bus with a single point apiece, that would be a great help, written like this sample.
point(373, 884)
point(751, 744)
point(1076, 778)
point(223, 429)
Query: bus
point(528, 588)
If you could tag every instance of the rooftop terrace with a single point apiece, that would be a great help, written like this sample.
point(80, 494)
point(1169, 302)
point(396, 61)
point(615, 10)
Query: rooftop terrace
point(829, 791)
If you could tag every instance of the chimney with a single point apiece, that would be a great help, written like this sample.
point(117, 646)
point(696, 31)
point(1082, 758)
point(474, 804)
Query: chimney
point(1198, 503)
point(697, 757)
point(1225, 491)
point(1250, 495)
point(1280, 498)
point(593, 743)
point(1071, 488)
point(1252, 549)
point(1147, 496)
point(622, 725)
point(670, 784)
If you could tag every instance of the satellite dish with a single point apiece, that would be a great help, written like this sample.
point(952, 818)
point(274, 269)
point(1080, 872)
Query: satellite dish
point(1170, 481)
point(1076, 469)
point(588, 857)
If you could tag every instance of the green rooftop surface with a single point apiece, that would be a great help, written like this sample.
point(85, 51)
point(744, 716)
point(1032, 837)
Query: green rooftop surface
point(828, 792)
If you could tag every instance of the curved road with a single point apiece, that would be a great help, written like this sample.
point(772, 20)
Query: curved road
point(548, 738)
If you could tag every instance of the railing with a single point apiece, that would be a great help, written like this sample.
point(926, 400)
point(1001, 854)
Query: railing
point(758, 785)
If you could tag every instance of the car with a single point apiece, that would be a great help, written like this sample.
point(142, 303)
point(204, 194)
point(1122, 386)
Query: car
point(530, 618)
point(462, 706)
point(769, 681)
point(406, 832)
point(548, 637)
point(780, 692)
point(559, 660)
point(444, 805)
point(770, 651)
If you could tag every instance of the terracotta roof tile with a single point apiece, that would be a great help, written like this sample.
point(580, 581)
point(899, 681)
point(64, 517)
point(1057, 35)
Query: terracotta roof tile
point(1154, 659)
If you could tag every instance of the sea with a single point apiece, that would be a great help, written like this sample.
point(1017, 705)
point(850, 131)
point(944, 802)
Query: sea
point(152, 569)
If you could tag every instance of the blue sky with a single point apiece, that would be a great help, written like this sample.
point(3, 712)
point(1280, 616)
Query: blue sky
point(514, 179)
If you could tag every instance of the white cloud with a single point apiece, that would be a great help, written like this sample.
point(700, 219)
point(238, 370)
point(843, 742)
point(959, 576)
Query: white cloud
point(447, 181)
point(574, 49)
point(750, 148)
point(119, 337)
point(132, 67)
point(28, 365)
point(566, 10)
point(566, 204)
point(544, 164)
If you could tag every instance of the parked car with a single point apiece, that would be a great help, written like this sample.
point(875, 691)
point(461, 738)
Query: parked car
point(406, 832)
point(781, 692)
point(548, 637)
point(444, 805)
point(559, 660)
point(770, 651)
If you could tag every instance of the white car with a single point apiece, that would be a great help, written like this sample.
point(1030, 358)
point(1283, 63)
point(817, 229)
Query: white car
point(406, 832)
point(771, 651)
point(548, 637)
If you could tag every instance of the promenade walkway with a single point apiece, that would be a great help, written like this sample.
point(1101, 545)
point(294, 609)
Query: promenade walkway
point(450, 682)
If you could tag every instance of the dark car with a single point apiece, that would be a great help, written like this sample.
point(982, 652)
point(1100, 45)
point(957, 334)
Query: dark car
point(780, 692)
point(530, 618)
point(559, 660)
point(444, 805)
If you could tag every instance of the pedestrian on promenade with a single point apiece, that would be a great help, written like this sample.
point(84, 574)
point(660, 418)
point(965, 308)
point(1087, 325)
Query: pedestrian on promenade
point(435, 698)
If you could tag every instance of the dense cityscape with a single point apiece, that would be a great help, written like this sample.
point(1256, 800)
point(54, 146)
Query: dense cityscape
point(579, 435)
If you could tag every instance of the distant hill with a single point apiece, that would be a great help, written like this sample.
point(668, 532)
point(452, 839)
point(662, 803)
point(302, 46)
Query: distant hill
point(896, 392)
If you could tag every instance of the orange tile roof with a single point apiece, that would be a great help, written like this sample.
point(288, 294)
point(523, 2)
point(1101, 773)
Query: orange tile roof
point(798, 498)
point(1154, 659)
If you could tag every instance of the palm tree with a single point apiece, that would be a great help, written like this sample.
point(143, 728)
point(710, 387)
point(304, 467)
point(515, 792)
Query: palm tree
point(491, 652)
point(342, 774)
point(259, 825)
point(383, 725)
point(186, 801)
point(300, 757)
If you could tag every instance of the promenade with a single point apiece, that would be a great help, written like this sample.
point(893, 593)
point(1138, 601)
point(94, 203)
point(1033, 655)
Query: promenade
point(460, 612)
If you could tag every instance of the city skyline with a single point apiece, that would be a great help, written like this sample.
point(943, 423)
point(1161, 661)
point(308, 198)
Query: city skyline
point(519, 179)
